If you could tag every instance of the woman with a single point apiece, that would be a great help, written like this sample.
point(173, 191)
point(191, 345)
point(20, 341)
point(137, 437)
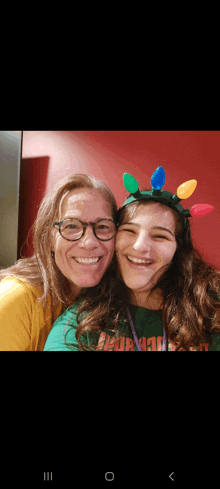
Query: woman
point(165, 295)
point(73, 250)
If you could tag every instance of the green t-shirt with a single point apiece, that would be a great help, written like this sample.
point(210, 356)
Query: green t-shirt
point(148, 326)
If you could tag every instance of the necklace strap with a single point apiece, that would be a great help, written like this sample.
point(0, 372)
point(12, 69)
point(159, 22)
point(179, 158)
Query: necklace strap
point(134, 332)
point(164, 346)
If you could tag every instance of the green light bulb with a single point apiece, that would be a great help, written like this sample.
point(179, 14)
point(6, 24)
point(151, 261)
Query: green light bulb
point(130, 183)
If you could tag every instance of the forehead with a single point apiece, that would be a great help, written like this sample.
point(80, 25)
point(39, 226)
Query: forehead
point(154, 214)
point(85, 203)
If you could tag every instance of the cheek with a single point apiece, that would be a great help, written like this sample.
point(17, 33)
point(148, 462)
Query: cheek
point(122, 242)
point(167, 252)
point(110, 249)
point(61, 247)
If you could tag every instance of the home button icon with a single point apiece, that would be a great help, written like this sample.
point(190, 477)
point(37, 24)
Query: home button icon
point(109, 476)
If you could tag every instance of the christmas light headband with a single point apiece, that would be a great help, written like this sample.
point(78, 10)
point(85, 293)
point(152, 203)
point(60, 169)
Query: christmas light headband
point(157, 182)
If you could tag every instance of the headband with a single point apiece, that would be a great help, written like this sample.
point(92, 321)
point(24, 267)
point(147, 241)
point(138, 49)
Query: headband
point(157, 182)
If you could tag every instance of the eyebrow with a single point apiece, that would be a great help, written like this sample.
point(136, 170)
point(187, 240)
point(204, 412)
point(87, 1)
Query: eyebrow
point(164, 229)
point(98, 218)
point(154, 227)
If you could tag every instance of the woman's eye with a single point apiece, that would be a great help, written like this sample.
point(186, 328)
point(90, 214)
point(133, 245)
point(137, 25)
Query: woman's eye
point(72, 226)
point(102, 226)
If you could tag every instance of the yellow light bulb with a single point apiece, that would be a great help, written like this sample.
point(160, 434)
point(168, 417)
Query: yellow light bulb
point(186, 189)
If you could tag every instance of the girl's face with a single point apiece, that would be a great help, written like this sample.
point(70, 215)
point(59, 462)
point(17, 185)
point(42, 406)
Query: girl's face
point(88, 205)
point(144, 244)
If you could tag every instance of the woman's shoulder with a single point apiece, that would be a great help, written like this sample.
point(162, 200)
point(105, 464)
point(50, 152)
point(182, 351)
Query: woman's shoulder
point(17, 287)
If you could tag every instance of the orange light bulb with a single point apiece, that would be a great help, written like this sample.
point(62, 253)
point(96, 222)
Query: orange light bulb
point(186, 189)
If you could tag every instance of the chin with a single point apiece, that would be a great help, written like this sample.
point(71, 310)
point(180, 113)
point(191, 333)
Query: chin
point(140, 287)
point(134, 284)
point(88, 283)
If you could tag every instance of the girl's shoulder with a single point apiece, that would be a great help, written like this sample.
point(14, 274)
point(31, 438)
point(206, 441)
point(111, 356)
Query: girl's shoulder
point(63, 331)
point(68, 312)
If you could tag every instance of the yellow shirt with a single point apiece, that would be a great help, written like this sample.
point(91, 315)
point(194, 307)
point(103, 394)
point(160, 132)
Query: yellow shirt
point(24, 322)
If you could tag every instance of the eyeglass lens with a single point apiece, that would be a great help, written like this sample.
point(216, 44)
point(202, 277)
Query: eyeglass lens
point(73, 229)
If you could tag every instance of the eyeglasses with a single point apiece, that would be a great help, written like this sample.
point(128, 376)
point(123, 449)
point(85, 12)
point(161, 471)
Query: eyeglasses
point(74, 229)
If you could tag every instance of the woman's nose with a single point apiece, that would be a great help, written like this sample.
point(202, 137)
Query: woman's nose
point(88, 240)
point(142, 243)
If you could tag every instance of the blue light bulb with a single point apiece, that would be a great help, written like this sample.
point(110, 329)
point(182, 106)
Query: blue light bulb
point(158, 178)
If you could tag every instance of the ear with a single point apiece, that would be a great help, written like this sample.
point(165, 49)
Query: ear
point(53, 233)
point(52, 247)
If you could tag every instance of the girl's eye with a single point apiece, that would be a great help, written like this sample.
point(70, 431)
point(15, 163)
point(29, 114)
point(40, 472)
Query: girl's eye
point(129, 230)
point(160, 236)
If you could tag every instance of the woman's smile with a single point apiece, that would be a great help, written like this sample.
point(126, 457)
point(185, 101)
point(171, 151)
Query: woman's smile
point(87, 262)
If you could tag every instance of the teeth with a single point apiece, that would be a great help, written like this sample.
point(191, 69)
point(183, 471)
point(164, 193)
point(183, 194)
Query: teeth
point(138, 260)
point(87, 260)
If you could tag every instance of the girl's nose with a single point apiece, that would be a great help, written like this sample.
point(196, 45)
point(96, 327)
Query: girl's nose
point(142, 243)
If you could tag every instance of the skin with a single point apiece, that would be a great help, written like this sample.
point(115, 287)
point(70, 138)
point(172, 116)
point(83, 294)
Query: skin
point(88, 205)
point(141, 238)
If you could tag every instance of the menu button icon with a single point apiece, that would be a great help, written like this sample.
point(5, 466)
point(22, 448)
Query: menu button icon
point(47, 476)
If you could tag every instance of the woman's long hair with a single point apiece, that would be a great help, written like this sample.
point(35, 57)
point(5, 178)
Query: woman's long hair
point(190, 289)
point(41, 270)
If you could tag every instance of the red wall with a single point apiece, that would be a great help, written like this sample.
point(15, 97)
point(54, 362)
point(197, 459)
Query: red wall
point(185, 155)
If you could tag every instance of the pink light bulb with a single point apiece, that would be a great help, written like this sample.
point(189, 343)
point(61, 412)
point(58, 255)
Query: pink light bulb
point(199, 210)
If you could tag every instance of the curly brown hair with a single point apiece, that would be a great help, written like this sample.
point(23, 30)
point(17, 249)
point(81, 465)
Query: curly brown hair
point(190, 289)
point(40, 270)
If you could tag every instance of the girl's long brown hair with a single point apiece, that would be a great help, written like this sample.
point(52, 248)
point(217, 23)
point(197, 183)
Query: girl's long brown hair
point(190, 287)
point(41, 270)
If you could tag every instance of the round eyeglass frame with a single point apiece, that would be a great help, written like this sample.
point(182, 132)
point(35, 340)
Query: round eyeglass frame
point(85, 224)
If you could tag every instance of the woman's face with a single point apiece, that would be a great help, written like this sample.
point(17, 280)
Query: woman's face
point(88, 205)
point(144, 245)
